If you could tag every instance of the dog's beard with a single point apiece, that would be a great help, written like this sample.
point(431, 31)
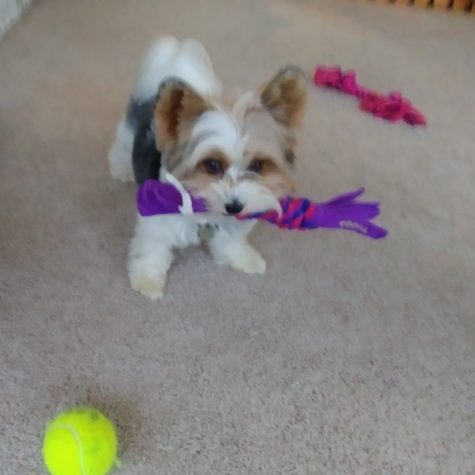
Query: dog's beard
point(254, 197)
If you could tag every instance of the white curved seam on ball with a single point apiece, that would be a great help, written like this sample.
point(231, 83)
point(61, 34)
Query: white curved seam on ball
point(78, 442)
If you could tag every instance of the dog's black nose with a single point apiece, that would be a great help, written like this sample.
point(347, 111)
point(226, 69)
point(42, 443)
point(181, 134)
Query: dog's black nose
point(234, 207)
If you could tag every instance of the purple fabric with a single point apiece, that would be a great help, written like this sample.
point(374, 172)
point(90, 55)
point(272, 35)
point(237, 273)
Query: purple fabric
point(340, 212)
point(155, 197)
point(344, 212)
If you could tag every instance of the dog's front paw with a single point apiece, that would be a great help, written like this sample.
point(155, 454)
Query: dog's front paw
point(149, 286)
point(241, 256)
point(251, 263)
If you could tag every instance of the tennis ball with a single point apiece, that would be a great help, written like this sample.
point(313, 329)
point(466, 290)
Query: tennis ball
point(81, 441)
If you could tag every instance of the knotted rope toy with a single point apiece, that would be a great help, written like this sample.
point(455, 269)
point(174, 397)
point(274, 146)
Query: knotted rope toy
point(342, 212)
point(391, 107)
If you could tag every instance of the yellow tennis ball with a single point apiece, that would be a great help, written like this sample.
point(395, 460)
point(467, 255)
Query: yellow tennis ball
point(81, 441)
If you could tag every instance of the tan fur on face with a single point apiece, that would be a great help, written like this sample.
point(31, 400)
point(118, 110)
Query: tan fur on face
point(213, 155)
point(265, 122)
point(199, 178)
point(278, 182)
point(273, 120)
point(266, 137)
point(273, 176)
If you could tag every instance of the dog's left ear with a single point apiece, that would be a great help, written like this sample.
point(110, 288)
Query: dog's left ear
point(284, 96)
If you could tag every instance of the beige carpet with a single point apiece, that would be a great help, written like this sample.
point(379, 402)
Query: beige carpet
point(348, 357)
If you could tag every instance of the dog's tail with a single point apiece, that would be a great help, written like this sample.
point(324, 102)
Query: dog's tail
point(186, 60)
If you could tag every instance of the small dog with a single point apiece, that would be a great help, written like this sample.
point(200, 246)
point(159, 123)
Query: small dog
point(235, 154)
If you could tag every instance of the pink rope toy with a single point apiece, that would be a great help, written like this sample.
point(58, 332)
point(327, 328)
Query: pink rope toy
point(391, 107)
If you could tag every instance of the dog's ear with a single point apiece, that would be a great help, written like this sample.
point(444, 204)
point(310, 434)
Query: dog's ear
point(284, 96)
point(177, 104)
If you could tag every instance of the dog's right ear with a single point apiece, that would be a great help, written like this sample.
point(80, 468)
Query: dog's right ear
point(177, 104)
point(284, 96)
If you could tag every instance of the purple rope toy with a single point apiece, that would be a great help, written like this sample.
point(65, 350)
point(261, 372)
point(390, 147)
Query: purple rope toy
point(341, 212)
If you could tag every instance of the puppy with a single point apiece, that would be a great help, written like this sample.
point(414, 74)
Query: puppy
point(235, 154)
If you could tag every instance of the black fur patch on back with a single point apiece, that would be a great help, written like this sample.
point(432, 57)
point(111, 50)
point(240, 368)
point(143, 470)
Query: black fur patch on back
point(146, 159)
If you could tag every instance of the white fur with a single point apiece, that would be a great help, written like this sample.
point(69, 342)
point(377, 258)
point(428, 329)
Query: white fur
point(187, 61)
point(214, 130)
point(222, 130)
point(167, 57)
point(230, 247)
point(151, 249)
point(254, 197)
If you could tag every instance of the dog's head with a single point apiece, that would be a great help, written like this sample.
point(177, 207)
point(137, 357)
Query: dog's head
point(237, 156)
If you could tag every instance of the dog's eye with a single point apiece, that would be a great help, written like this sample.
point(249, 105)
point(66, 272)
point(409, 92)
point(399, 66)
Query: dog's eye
point(256, 166)
point(213, 166)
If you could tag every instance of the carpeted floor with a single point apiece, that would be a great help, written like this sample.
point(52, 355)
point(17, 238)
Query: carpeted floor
point(348, 357)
